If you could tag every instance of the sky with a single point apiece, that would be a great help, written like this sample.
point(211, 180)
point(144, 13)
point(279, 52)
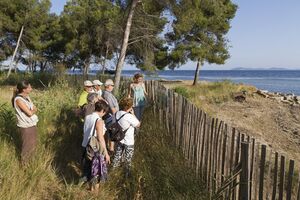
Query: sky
point(263, 34)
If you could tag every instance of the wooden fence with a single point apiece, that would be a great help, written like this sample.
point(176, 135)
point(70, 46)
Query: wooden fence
point(231, 164)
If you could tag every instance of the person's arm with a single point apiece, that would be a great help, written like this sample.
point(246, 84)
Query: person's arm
point(25, 109)
point(133, 120)
point(99, 129)
point(129, 90)
point(111, 104)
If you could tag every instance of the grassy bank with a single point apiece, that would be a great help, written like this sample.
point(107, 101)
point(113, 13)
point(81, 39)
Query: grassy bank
point(208, 94)
point(55, 169)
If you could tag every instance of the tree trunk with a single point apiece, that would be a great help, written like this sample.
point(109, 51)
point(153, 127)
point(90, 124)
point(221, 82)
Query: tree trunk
point(15, 52)
point(124, 46)
point(197, 72)
point(86, 68)
point(104, 62)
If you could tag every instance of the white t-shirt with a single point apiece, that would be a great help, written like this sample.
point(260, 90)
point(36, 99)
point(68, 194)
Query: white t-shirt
point(89, 127)
point(99, 92)
point(128, 121)
point(23, 121)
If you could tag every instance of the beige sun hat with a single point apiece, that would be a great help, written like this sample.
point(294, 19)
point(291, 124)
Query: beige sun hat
point(87, 83)
point(108, 82)
point(97, 82)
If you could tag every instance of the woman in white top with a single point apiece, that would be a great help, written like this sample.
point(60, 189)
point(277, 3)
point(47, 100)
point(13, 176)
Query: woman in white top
point(128, 122)
point(94, 126)
point(26, 119)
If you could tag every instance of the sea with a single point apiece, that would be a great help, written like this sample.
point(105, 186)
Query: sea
point(283, 81)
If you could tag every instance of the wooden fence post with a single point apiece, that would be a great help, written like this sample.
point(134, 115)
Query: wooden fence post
point(281, 178)
point(298, 192)
point(275, 177)
point(244, 181)
point(251, 168)
point(290, 180)
point(262, 171)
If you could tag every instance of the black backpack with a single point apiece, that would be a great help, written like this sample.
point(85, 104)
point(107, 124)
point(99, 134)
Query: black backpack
point(115, 131)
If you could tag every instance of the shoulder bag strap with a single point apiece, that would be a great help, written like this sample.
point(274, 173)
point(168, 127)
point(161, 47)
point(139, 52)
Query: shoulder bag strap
point(95, 127)
point(120, 117)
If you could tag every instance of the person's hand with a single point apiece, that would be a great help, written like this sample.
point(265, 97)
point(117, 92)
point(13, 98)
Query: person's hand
point(34, 109)
point(107, 158)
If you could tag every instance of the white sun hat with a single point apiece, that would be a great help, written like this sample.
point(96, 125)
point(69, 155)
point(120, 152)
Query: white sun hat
point(97, 82)
point(88, 83)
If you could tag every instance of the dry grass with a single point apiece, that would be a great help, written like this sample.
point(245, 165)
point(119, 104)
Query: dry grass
point(207, 94)
point(55, 169)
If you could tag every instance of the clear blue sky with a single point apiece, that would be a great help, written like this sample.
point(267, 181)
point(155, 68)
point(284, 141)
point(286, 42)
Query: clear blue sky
point(264, 34)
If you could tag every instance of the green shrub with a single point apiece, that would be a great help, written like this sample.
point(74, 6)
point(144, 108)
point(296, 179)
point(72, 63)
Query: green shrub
point(182, 91)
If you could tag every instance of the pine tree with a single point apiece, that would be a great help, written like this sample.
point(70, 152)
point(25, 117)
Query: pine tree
point(199, 31)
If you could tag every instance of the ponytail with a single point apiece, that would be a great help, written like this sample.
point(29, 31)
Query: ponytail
point(19, 89)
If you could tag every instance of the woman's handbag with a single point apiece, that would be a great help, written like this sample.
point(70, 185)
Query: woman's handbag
point(93, 145)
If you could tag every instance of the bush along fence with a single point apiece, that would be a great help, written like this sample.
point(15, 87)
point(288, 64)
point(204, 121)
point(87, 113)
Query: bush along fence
point(231, 164)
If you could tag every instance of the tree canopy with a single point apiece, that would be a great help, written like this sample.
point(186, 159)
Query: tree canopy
point(96, 31)
point(199, 31)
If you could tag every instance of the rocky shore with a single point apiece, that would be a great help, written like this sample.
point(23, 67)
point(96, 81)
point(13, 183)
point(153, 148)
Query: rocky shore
point(291, 99)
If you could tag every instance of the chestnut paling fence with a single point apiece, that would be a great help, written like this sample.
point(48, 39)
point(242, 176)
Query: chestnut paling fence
point(231, 164)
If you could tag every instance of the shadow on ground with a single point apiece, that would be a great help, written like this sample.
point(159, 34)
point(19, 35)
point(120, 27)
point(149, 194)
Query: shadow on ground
point(66, 144)
point(8, 129)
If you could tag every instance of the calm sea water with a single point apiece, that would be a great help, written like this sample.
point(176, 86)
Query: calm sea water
point(285, 81)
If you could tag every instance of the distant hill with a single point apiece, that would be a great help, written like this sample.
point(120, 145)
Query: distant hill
point(271, 68)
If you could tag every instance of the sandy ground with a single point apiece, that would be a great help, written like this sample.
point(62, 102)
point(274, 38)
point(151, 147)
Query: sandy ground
point(271, 122)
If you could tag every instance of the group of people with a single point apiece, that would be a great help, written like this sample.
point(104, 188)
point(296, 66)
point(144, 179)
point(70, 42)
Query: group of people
point(99, 110)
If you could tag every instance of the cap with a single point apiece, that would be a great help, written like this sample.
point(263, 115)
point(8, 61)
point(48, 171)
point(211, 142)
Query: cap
point(97, 82)
point(108, 82)
point(88, 83)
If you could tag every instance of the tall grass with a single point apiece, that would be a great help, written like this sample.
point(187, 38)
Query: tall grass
point(54, 171)
point(58, 153)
